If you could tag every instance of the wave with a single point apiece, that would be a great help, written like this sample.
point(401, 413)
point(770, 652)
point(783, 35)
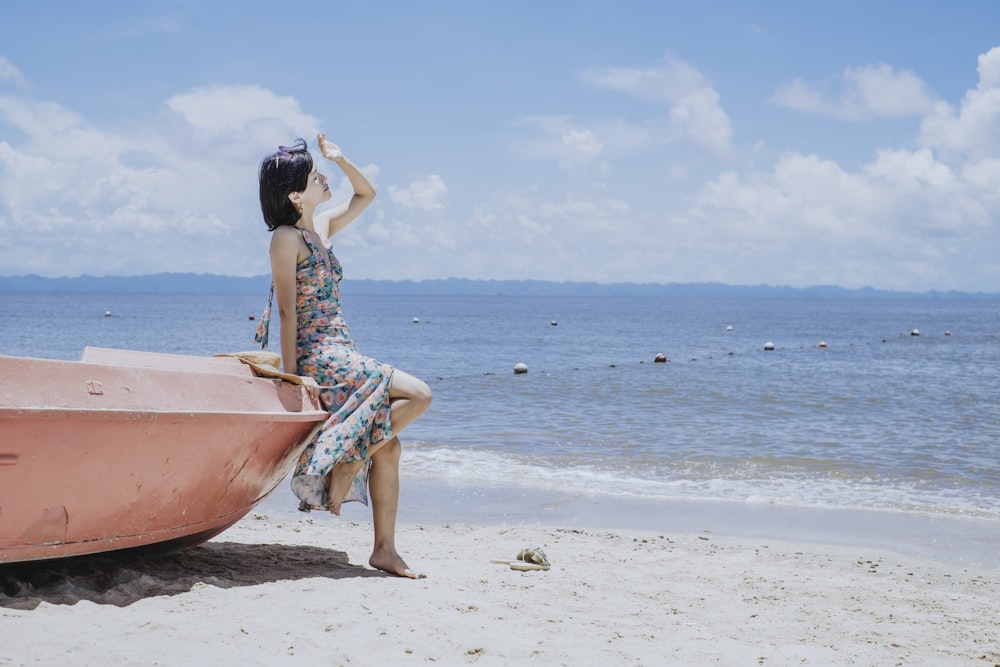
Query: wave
point(757, 482)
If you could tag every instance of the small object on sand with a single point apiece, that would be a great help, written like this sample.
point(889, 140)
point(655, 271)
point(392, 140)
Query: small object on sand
point(529, 558)
point(533, 555)
point(525, 567)
point(520, 368)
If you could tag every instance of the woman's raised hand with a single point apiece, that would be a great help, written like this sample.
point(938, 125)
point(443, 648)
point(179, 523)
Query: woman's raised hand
point(331, 151)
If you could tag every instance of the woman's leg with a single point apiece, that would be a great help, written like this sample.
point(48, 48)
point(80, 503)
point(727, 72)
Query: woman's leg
point(341, 476)
point(409, 397)
point(383, 485)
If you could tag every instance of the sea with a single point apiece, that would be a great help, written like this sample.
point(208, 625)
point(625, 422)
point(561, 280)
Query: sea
point(871, 421)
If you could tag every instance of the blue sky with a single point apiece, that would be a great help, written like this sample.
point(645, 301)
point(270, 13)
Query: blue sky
point(781, 143)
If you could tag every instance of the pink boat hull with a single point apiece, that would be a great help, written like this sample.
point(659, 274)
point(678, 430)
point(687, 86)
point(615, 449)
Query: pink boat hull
point(129, 449)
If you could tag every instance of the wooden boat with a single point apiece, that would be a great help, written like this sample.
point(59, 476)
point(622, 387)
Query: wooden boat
point(130, 449)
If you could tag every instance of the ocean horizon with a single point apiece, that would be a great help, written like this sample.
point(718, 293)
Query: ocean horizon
point(203, 283)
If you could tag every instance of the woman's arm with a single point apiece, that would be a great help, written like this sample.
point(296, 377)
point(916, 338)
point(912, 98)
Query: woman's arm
point(364, 191)
point(284, 260)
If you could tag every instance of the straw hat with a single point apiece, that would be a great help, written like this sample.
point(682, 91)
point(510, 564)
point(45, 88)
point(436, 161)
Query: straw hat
point(264, 364)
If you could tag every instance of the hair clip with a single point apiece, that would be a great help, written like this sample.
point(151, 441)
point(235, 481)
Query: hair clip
point(283, 151)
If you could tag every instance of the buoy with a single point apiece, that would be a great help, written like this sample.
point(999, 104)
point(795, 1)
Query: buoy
point(252, 316)
point(768, 346)
point(915, 332)
point(947, 333)
point(520, 368)
point(822, 343)
point(416, 320)
point(107, 313)
point(553, 323)
point(660, 358)
point(729, 328)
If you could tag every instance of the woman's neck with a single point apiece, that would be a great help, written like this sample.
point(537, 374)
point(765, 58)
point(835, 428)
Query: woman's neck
point(306, 219)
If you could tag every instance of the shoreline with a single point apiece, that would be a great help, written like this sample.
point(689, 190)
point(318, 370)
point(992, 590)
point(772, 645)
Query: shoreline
point(951, 539)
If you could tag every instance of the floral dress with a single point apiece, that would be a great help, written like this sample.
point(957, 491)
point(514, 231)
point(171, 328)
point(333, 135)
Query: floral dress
point(355, 388)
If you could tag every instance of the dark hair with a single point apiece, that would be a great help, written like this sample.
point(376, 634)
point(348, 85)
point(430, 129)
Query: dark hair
point(281, 173)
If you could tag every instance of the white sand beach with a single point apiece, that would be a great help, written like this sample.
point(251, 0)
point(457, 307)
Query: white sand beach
point(295, 589)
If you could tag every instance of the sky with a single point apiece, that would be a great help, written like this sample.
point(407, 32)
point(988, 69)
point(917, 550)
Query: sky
point(778, 143)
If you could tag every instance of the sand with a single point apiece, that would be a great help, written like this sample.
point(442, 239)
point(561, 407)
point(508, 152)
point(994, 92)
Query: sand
point(295, 589)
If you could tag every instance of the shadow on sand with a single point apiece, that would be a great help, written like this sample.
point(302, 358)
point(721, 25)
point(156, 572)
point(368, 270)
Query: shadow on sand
point(125, 577)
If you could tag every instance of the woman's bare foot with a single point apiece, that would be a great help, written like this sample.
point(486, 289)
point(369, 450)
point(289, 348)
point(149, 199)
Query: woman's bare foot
point(340, 483)
point(393, 563)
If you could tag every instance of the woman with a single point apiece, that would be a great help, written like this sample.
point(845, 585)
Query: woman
point(357, 450)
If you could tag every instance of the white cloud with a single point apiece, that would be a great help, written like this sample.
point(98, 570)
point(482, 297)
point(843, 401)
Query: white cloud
point(693, 103)
point(154, 25)
point(904, 221)
point(177, 194)
point(580, 144)
point(974, 130)
point(984, 176)
point(989, 69)
point(10, 73)
point(516, 233)
point(870, 91)
point(585, 148)
point(559, 139)
point(227, 110)
point(533, 233)
point(427, 194)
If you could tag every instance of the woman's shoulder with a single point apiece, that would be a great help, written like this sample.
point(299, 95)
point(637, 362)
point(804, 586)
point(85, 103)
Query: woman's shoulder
point(286, 230)
point(285, 234)
point(285, 240)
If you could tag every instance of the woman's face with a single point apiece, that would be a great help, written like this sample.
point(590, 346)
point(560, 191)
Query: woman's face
point(317, 191)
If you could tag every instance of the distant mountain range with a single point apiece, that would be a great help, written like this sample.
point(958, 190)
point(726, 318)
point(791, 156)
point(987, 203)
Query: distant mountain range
point(188, 283)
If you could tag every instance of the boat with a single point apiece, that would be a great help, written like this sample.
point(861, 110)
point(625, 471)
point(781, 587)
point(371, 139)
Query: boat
point(126, 449)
